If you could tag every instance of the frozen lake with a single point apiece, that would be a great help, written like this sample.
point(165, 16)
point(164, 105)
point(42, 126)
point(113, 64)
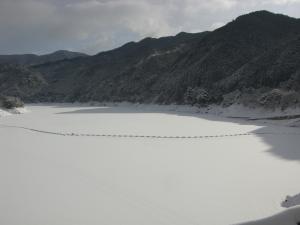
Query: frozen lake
point(48, 179)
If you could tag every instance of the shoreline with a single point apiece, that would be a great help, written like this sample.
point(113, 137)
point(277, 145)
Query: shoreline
point(289, 117)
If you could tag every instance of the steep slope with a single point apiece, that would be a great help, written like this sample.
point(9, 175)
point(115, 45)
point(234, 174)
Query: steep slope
point(31, 59)
point(246, 47)
point(226, 50)
point(271, 79)
point(125, 73)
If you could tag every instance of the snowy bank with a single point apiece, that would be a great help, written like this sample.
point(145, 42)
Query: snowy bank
point(4, 113)
point(8, 112)
point(287, 117)
point(288, 217)
point(291, 201)
point(235, 110)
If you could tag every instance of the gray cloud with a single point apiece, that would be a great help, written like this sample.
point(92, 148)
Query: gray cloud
point(41, 26)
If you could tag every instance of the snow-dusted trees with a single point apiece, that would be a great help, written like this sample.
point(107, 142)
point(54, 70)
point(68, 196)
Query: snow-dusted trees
point(196, 95)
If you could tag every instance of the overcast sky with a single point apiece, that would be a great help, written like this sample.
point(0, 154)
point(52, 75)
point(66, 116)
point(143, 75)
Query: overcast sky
point(91, 26)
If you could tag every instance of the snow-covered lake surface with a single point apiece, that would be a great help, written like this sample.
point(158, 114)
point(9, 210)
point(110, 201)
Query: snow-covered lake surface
point(78, 180)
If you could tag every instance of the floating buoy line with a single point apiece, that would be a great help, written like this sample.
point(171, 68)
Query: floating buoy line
point(147, 136)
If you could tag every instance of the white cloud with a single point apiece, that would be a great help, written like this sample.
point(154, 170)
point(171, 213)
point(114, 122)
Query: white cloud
point(281, 2)
point(95, 25)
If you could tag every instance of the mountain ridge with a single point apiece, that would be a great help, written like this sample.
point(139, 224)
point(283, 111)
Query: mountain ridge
point(34, 59)
point(253, 60)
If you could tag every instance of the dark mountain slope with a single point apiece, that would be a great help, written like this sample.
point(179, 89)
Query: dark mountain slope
point(273, 79)
point(227, 49)
point(276, 68)
point(253, 60)
point(124, 73)
point(31, 59)
point(20, 81)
